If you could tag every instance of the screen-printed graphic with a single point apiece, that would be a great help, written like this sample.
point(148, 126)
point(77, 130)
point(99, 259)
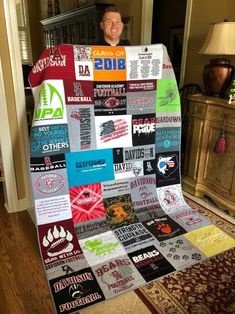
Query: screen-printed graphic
point(86, 202)
point(66, 266)
point(167, 169)
point(143, 191)
point(47, 163)
point(167, 139)
point(58, 241)
point(77, 92)
point(54, 62)
point(141, 96)
point(167, 96)
point(90, 228)
point(81, 127)
point(210, 240)
point(49, 103)
point(115, 188)
point(168, 119)
point(133, 236)
point(145, 152)
point(119, 211)
point(109, 62)
point(113, 131)
point(128, 170)
point(150, 263)
point(190, 219)
point(83, 64)
point(149, 167)
point(75, 291)
point(143, 63)
point(89, 167)
point(143, 129)
point(49, 140)
point(100, 248)
point(149, 212)
point(116, 276)
point(49, 183)
point(171, 199)
point(118, 157)
point(163, 228)
point(180, 252)
point(109, 98)
point(52, 209)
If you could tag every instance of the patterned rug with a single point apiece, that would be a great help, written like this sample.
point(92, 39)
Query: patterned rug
point(205, 288)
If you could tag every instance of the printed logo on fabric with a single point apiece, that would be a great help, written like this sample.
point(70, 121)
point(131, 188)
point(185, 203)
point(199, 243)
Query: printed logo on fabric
point(109, 61)
point(58, 241)
point(50, 102)
point(143, 129)
point(100, 248)
point(49, 139)
point(86, 202)
point(55, 59)
point(78, 92)
point(50, 183)
point(166, 165)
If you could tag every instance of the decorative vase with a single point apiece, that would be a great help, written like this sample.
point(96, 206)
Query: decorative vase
point(217, 77)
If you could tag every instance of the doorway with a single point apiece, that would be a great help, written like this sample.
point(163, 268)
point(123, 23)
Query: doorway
point(168, 26)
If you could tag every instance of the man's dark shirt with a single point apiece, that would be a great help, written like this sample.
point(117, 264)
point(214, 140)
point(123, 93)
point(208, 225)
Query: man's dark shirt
point(121, 43)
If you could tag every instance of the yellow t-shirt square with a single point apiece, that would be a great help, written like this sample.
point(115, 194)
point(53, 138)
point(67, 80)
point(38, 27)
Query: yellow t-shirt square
point(210, 240)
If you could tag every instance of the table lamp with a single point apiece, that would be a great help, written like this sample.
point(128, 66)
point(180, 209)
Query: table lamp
point(220, 41)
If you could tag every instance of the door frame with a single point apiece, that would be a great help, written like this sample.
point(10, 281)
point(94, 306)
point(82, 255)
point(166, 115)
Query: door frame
point(14, 202)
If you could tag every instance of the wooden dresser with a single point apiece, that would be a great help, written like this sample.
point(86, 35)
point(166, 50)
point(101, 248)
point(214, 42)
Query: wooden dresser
point(206, 173)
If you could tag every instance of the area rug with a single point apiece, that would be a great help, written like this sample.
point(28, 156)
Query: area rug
point(205, 288)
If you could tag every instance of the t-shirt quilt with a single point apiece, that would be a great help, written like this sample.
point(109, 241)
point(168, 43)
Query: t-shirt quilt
point(105, 172)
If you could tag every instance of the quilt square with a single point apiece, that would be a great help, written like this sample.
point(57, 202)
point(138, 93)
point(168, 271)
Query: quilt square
point(113, 131)
point(73, 292)
point(210, 240)
point(116, 276)
point(133, 236)
point(89, 167)
point(150, 263)
point(163, 228)
point(190, 219)
point(180, 252)
point(86, 202)
point(101, 248)
point(119, 211)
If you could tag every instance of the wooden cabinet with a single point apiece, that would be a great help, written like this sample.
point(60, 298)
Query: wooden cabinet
point(205, 172)
point(79, 26)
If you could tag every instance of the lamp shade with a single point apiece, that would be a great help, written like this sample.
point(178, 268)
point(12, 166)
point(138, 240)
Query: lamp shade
point(220, 39)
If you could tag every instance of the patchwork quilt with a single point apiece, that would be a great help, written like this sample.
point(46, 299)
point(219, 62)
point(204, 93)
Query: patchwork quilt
point(105, 171)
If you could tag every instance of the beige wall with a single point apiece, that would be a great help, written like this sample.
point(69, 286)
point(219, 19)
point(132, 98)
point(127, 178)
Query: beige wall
point(204, 12)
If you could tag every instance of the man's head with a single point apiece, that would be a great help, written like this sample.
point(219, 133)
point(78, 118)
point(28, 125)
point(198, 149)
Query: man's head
point(112, 25)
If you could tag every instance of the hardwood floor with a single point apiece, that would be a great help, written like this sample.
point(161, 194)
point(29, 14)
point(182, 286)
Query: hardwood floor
point(23, 285)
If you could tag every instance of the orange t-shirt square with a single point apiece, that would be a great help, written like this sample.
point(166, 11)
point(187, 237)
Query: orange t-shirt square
point(109, 63)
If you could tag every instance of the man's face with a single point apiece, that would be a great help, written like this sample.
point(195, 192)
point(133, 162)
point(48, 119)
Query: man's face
point(112, 25)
